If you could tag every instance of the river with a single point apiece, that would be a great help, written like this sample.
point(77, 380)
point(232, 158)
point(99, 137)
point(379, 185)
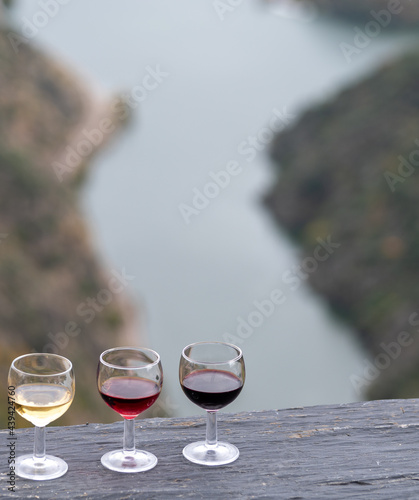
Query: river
point(202, 87)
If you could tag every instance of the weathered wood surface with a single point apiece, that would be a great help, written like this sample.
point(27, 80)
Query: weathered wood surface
point(361, 450)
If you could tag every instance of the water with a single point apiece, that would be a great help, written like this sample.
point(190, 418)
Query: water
point(219, 83)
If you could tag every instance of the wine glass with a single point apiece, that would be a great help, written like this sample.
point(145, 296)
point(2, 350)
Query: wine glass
point(44, 390)
point(211, 375)
point(129, 380)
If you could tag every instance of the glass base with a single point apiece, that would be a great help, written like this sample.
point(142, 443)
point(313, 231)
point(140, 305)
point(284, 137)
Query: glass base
point(203, 454)
point(40, 470)
point(120, 461)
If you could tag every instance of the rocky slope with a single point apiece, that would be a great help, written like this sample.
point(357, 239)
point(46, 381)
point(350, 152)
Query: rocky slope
point(54, 293)
point(347, 192)
point(403, 13)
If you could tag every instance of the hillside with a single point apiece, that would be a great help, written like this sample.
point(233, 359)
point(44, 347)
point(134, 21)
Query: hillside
point(400, 13)
point(55, 295)
point(348, 176)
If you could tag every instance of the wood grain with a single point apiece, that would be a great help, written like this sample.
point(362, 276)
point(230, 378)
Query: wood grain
point(361, 450)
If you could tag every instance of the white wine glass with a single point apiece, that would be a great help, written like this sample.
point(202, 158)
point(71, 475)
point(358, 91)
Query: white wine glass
point(44, 389)
point(129, 380)
point(211, 375)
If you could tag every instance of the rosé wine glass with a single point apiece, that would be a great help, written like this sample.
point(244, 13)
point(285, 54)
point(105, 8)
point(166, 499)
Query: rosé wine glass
point(129, 380)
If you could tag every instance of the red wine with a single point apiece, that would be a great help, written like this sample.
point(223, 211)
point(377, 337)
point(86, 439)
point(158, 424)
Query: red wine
point(129, 396)
point(211, 389)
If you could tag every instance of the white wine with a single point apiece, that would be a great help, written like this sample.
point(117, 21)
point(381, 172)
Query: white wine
point(42, 403)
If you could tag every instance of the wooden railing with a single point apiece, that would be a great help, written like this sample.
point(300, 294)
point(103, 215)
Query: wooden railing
point(361, 450)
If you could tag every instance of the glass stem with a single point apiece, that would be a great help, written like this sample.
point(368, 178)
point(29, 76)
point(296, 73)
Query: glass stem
point(211, 438)
point(129, 436)
point(39, 444)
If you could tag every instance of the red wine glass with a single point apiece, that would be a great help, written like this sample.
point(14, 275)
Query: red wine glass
point(129, 380)
point(211, 375)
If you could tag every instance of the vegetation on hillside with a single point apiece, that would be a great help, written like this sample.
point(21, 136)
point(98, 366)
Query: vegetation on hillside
point(348, 171)
point(54, 294)
point(391, 13)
